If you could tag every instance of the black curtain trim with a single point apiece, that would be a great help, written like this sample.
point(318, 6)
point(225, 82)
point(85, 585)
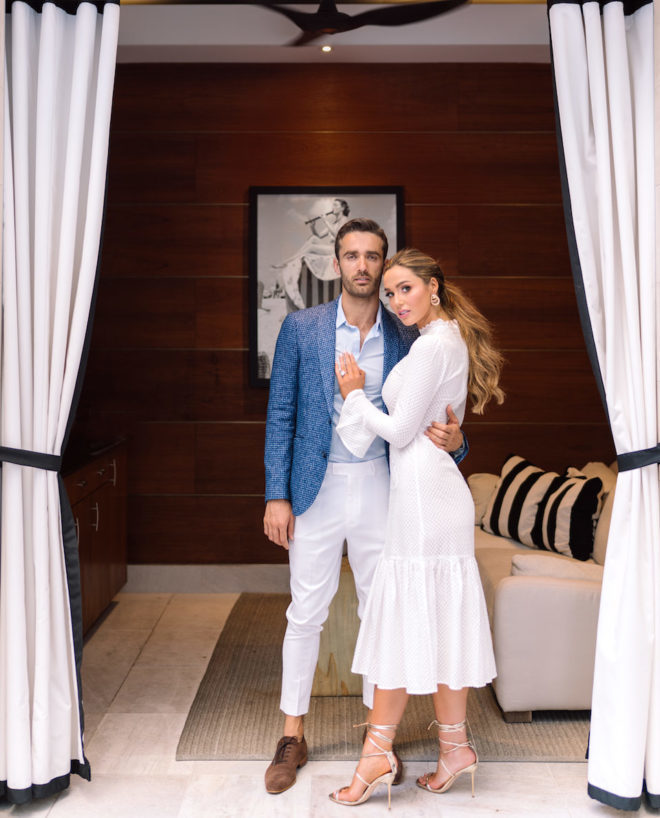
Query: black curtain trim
point(36, 460)
point(629, 6)
point(69, 534)
point(612, 800)
point(637, 460)
point(576, 267)
point(53, 787)
point(70, 6)
point(90, 324)
point(653, 799)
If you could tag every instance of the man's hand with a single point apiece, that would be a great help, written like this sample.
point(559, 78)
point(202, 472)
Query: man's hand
point(446, 436)
point(279, 522)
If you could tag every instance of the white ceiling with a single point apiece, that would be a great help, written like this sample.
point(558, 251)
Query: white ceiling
point(244, 33)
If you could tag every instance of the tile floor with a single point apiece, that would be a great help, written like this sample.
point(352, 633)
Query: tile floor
point(141, 671)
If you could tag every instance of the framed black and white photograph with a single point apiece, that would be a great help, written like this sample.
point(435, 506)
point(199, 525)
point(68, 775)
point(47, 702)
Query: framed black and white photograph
point(292, 247)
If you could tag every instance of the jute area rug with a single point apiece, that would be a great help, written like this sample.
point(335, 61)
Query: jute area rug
point(235, 714)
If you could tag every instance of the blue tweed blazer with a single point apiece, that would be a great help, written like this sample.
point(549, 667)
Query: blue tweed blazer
point(299, 420)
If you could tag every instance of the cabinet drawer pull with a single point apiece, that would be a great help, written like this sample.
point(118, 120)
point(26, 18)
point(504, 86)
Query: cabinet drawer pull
point(101, 472)
point(95, 524)
point(113, 480)
point(82, 483)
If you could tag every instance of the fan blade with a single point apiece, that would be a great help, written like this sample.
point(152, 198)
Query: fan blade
point(306, 37)
point(409, 13)
point(328, 7)
point(321, 21)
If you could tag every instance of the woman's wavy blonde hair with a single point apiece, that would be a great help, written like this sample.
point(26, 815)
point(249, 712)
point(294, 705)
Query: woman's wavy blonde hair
point(485, 361)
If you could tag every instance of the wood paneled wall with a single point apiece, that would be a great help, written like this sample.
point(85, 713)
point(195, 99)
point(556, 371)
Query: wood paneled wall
point(474, 148)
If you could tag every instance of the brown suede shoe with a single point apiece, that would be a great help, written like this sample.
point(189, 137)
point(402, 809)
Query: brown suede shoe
point(289, 755)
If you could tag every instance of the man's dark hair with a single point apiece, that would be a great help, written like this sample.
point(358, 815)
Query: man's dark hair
point(361, 226)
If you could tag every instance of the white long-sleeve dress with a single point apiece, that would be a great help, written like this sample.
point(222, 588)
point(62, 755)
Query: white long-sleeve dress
point(425, 621)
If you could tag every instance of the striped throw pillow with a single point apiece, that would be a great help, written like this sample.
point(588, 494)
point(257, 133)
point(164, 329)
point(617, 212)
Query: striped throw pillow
point(565, 517)
point(512, 508)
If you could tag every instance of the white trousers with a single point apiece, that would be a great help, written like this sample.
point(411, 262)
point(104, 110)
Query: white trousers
point(351, 505)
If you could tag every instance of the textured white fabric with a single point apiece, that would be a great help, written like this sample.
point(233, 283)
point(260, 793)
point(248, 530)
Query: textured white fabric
point(425, 622)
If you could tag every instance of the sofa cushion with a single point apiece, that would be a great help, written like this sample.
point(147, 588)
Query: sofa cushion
point(511, 510)
point(481, 486)
point(565, 517)
point(555, 566)
point(602, 470)
point(603, 529)
point(494, 564)
point(493, 555)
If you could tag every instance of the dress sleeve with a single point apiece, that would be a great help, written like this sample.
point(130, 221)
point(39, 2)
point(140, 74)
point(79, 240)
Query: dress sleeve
point(360, 421)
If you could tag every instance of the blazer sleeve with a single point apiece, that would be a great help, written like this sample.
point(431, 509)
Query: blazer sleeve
point(281, 415)
point(425, 368)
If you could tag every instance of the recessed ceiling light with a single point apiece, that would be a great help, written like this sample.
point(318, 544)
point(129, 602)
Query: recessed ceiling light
point(326, 48)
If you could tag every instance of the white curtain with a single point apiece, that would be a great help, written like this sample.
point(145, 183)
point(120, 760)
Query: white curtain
point(603, 69)
point(59, 79)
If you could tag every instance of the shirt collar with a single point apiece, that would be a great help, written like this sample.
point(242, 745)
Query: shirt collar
point(341, 317)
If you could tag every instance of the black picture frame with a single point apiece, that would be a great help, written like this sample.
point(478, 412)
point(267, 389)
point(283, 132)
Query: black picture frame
point(291, 247)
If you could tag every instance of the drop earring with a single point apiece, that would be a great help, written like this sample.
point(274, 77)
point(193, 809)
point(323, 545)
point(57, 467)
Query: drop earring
point(435, 300)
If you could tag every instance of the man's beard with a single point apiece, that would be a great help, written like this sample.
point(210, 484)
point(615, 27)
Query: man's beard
point(359, 292)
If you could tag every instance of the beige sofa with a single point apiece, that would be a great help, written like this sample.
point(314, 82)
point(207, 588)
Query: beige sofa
point(543, 610)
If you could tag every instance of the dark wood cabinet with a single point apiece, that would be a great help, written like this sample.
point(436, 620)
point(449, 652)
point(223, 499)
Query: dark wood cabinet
point(97, 492)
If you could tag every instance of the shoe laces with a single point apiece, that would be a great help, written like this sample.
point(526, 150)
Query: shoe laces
point(283, 748)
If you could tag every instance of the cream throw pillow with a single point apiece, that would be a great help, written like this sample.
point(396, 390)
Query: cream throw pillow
point(603, 529)
point(481, 485)
point(602, 470)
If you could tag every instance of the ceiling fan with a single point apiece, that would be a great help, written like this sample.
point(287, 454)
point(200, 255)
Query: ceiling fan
point(327, 19)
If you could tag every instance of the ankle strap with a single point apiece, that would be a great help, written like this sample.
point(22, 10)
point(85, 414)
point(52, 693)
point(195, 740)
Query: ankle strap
point(448, 728)
point(374, 730)
point(453, 728)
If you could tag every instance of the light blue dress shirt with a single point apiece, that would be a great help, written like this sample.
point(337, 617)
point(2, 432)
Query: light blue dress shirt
point(370, 359)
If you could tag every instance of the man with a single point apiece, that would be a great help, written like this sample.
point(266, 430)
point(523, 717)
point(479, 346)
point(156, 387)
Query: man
point(317, 493)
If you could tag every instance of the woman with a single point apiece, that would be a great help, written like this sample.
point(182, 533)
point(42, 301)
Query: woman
point(316, 255)
point(425, 628)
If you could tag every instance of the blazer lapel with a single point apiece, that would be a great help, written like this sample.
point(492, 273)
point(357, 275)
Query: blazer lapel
point(326, 349)
point(391, 353)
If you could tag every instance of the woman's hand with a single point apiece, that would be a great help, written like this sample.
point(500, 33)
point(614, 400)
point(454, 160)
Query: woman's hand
point(349, 375)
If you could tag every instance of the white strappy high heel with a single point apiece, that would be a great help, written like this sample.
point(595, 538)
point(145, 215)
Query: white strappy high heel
point(385, 778)
point(423, 782)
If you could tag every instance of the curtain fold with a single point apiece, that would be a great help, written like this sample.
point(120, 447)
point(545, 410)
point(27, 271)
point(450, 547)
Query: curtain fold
point(60, 64)
point(602, 56)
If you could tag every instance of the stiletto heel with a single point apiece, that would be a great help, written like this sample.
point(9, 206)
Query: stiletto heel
point(385, 778)
point(423, 782)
